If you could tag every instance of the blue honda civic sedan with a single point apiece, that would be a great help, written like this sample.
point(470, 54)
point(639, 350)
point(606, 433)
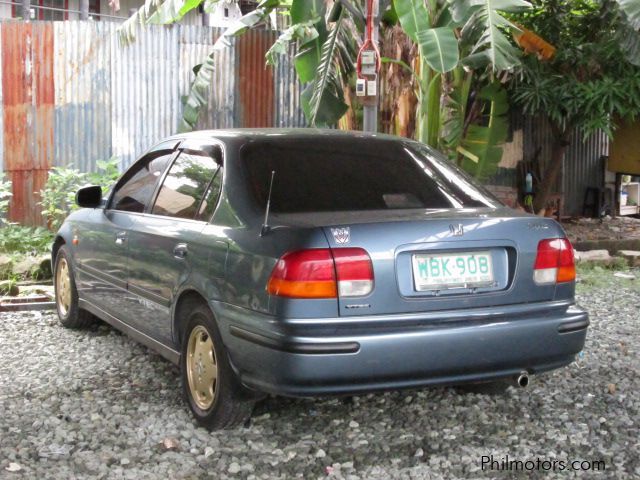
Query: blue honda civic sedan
point(312, 262)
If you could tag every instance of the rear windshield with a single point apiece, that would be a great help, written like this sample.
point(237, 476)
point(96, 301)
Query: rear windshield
point(350, 173)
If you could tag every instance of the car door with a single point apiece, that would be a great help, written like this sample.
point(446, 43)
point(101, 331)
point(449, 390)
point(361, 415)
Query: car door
point(165, 243)
point(103, 246)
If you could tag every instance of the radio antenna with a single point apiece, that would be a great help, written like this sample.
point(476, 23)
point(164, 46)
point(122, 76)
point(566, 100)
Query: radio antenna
point(265, 225)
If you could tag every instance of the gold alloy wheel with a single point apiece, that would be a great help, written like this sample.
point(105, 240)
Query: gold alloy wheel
point(202, 368)
point(63, 287)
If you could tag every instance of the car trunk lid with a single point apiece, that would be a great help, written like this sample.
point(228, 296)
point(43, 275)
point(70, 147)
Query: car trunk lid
point(418, 257)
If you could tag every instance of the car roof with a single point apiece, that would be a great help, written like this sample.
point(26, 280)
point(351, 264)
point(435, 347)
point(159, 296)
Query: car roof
point(290, 133)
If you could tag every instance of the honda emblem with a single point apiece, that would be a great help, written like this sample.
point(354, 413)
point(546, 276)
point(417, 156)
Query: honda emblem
point(456, 230)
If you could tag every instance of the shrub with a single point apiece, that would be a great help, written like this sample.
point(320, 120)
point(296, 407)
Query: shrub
point(5, 196)
point(58, 195)
point(15, 238)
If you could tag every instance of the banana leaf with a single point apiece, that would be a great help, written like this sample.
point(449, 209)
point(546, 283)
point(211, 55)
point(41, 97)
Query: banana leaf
point(481, 146)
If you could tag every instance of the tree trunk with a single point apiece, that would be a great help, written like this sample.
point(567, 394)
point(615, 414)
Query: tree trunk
point(552, 169)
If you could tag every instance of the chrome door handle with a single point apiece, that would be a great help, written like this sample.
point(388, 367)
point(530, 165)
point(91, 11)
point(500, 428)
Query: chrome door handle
point(180, 250)
point(121, 237)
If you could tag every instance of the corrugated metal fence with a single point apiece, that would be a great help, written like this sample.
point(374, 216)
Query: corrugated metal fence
point(582, 166)
point(71, 94)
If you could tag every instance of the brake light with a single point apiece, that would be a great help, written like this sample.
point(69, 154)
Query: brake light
point(354, 271)
point(554, 262)
point(304, 274)
point(322, 273)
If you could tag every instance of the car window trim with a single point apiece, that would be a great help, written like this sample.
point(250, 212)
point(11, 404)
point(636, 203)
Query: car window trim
point(156, 191)
point(155, 215)
point(223, 151)
point(206, 191)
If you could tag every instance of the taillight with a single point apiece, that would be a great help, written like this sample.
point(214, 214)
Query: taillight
point(354, 270)
point(322, 273)
point(304, 274)
point(554, 262)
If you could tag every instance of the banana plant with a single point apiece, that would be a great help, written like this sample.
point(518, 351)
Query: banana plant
point(459, 43)
point(158, 12)
point(326, 50)
point(325, 60)
point(480, 144)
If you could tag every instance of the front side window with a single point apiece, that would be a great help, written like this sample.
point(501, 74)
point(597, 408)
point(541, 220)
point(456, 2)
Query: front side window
point(184, 188)
point(134, 191)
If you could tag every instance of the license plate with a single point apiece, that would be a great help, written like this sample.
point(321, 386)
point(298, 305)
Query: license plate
point(452, 270)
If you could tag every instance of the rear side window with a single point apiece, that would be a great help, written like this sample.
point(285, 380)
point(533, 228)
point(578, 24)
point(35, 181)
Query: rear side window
point(350, 173)
point(136, 187)
point(185, 186)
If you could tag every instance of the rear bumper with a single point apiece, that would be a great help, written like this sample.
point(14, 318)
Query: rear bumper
point(304, 357)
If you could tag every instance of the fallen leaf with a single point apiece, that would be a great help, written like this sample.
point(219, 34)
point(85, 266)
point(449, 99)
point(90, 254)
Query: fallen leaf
point(170, 444)
point(13, 467)
point(623, 347)
point(628, 276)
point(612, 388)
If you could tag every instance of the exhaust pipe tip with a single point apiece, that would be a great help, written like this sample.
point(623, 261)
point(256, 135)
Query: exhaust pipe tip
point(523, 379)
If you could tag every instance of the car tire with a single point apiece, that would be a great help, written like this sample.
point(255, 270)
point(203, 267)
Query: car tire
point(487, 388)
point(210, 387)
point(66, 294)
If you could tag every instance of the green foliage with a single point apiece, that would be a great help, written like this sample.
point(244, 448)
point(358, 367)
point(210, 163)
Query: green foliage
point(490, 46)
point(309, 29)
point(301, 32)
point(480, 145)
point(590, 276)
point(5, 197)
point(413, 16)
point(199, 92)
point(439, 46)
point(462, 44)
point(481, 26)
point(16, 238)
point(159, 12)
point(587, 85)
point(334, 67)
point(58, 195)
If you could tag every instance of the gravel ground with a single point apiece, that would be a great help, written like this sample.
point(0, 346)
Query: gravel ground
point(94, 404)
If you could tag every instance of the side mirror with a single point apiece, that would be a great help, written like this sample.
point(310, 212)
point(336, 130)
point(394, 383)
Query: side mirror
point(89, 196)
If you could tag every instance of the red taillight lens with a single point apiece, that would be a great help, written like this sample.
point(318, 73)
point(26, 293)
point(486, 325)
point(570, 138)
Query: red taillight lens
point(322, 273)
point(354, 270)
point(304, 274)
point(554, 262)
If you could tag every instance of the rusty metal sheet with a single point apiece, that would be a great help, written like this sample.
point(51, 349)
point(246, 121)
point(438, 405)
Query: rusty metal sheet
point(26, 185)
point(82, 56)
point(28, 116)
point(255, 88)
point(71, 94)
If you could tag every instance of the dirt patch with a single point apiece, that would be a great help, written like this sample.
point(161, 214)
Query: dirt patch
point(593, 229)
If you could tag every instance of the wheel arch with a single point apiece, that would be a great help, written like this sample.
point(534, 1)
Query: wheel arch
point(57, 243)
point(185, 297)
